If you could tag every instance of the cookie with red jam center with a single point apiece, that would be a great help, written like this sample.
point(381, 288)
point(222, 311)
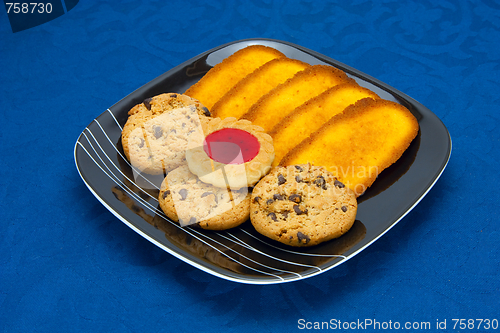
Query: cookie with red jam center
point(233, 153)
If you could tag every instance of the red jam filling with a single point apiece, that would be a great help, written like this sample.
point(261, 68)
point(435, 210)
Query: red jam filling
point(231, 146)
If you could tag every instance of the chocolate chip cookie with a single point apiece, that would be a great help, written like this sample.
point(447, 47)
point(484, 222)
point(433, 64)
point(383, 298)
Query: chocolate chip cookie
point(186, 199)
point(156, 133)
point(302, 205)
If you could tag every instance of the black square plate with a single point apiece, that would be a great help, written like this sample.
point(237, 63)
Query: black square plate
point(241, 254)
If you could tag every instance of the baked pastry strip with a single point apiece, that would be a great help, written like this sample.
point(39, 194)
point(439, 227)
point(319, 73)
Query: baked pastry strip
point(283, 99)
point(223, 76)
point(359, 143)
point(310, 116)
point(246, 92)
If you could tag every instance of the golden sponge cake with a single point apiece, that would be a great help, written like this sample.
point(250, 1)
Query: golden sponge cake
point(223, 76)
point(359, 143)
point(246, 92)
point(310, 116)
point(280, 101)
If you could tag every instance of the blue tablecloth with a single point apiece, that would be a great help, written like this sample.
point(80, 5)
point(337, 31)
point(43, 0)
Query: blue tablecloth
point(67, 264)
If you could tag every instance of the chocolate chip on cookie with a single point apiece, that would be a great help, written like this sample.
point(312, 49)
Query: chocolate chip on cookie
point(298, 210)
point(278, 196)
point(158, 131)
point(273, 216)
point(206, 194)
point(206, 112)
point(320, 182)
point(303, 238)
point(183, 193)
point(141, 143)
point(147, 103)
point(295, 197)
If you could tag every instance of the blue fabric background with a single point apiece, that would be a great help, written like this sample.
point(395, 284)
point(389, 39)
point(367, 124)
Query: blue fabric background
point(67, 264)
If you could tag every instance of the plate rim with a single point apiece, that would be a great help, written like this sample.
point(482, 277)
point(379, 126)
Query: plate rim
point(235, 277)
